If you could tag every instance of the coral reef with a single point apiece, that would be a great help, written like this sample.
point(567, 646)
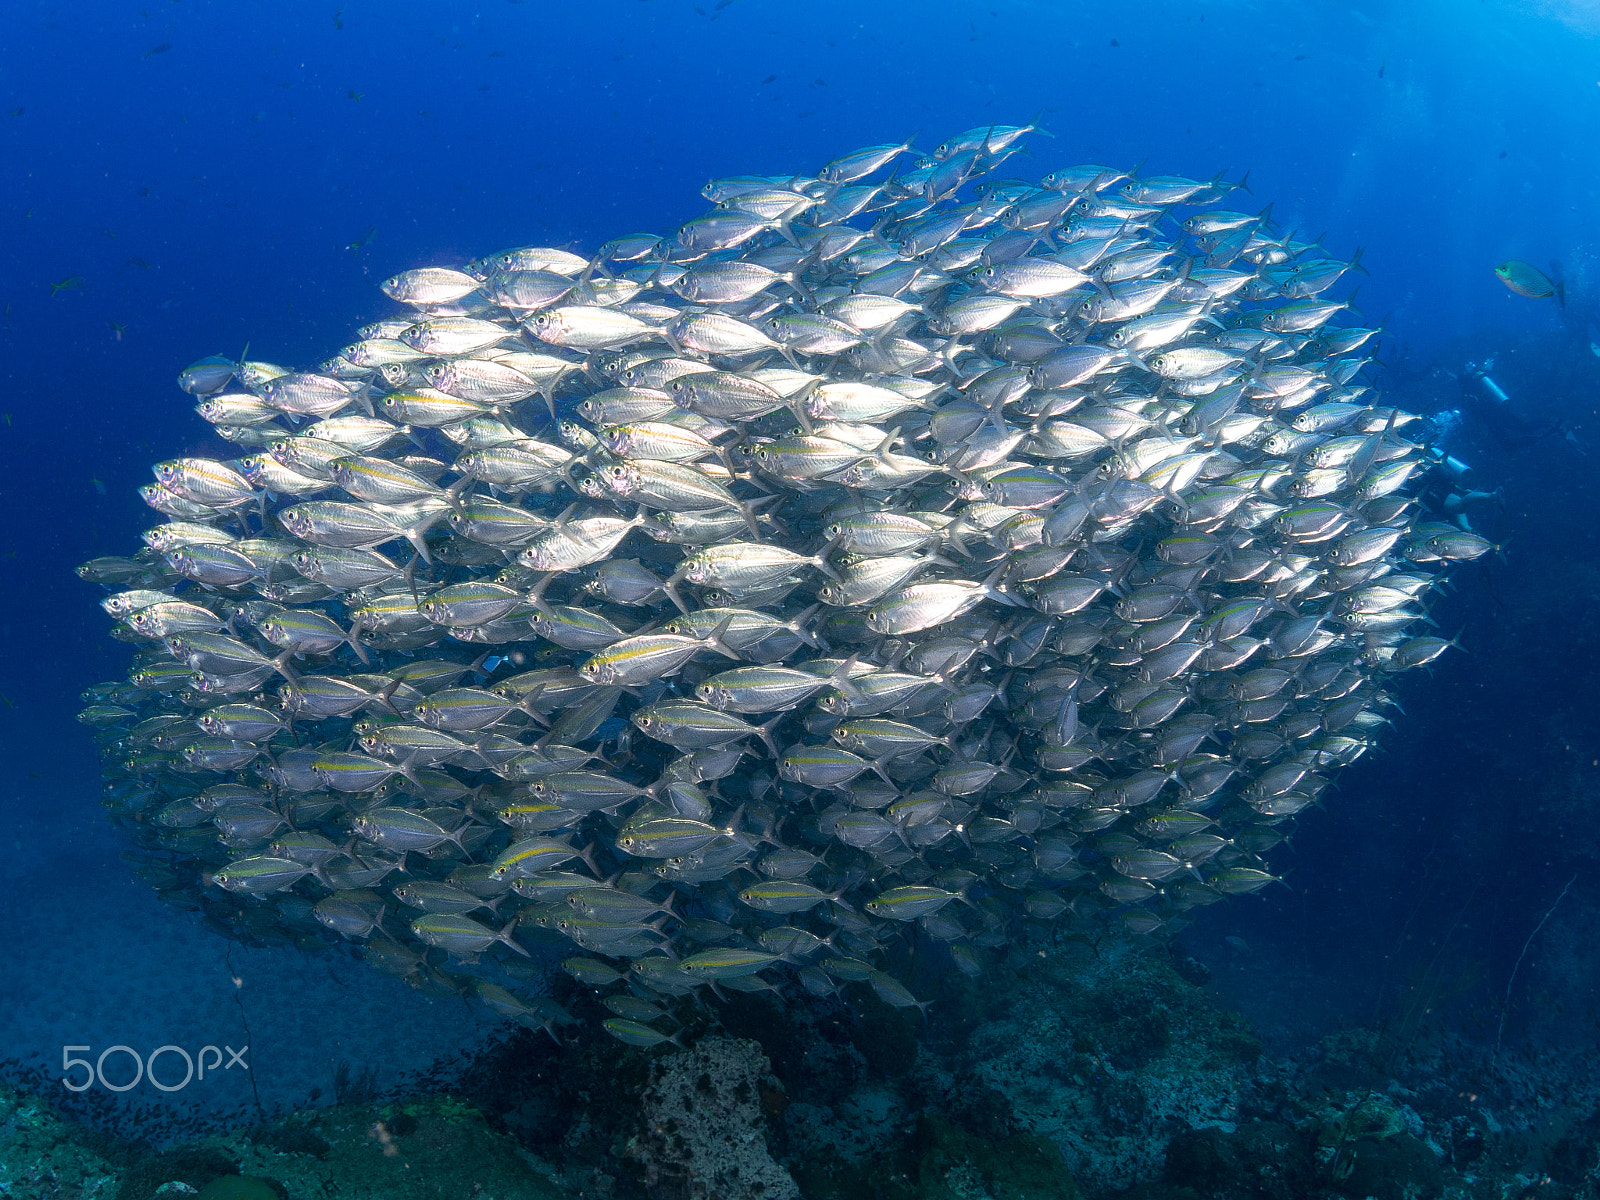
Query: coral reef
point(703, 1135)
point(419, 1149)
point(414, 1149)
point(43, 1156)
point(1096, 1051)
point(1069, 1075)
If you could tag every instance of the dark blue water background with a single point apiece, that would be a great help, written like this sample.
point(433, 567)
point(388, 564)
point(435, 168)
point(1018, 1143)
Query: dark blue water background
point(215, 174)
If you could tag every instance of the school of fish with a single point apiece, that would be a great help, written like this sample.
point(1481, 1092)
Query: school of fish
point(898, 558)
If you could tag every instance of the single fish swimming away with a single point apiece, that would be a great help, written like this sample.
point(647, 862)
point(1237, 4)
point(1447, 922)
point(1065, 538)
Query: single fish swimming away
point(966, 557)
point(1525, 279)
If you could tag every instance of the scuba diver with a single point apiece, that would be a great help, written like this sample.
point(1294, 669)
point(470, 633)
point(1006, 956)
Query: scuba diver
point(1482, 404)
point(1485, 406)
point(1486, 403)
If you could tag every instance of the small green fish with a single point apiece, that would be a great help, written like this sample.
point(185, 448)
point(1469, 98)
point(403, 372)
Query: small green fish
point(362, 242)
point(636, 1033)
point(1525, 279)
point(726, 964)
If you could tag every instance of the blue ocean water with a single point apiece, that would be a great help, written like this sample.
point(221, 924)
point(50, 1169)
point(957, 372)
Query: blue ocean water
point(192, 178)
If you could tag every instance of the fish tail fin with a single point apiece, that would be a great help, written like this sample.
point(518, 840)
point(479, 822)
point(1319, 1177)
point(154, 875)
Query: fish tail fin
point(587, 855)
point(505, 936)
point(386, 697)
point(886, 446)
point(419, 544)
point(797, 626)
point(715, 639)
point(535, 596)
point(354, 642)
point(951, 350)
point(840, 678)
point(876, 233)
point(821, 563)
point(796, 280)
point(800, 405)
point(963, 834)
point(670, 587)
point(991, 585)
point(782, 225)
point(281, 666)
point(525, 706)
point(748, 512)
point(765, 733)
point(951, 534)
point(878, 765)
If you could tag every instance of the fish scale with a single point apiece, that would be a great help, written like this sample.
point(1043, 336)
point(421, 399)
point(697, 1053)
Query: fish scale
point(901, 439)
